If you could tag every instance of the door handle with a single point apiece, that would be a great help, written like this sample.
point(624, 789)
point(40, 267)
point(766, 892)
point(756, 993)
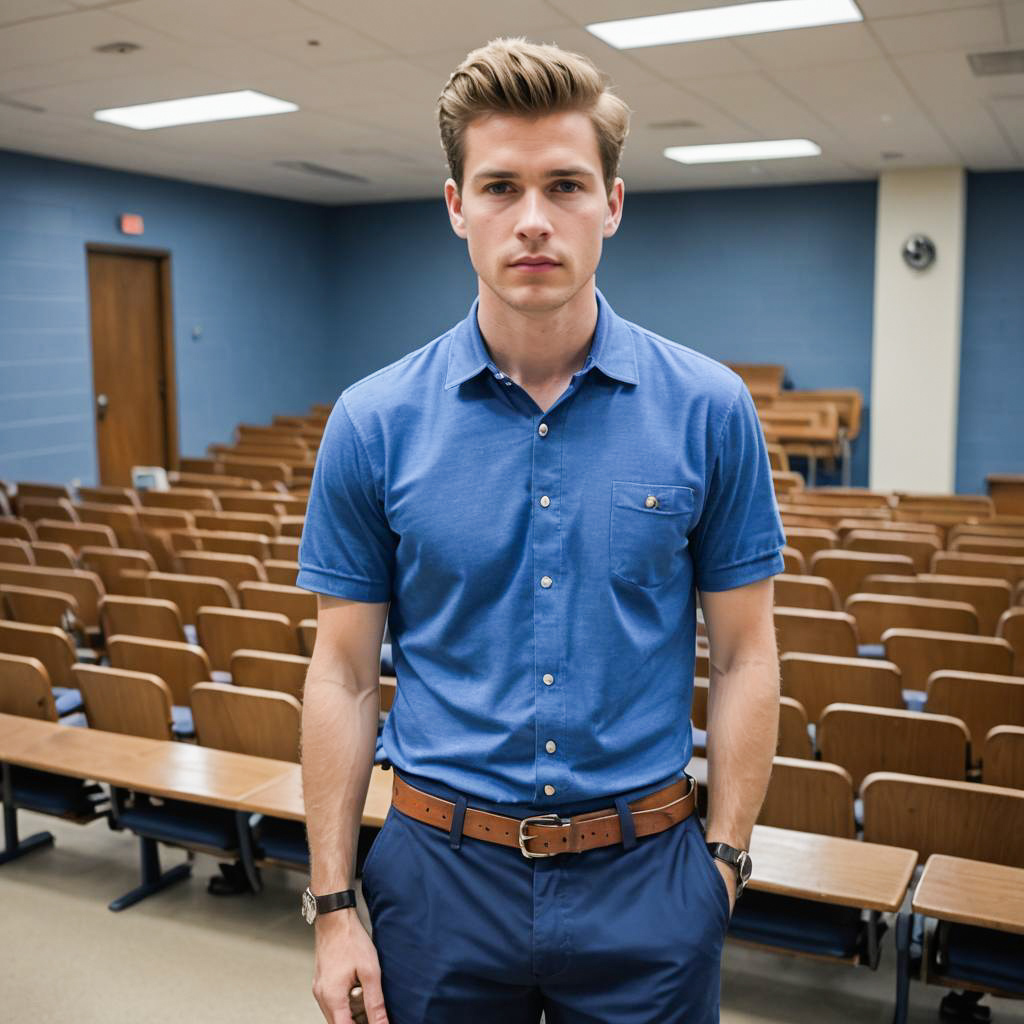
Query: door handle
point(102, 404)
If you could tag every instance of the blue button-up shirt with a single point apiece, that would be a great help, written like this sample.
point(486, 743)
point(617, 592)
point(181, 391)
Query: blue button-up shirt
point(541, 565)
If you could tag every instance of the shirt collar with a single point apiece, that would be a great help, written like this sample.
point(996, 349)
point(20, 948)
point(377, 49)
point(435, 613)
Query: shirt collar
point(613, 350)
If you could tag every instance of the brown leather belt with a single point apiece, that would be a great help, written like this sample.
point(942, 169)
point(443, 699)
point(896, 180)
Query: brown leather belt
point(545, 835)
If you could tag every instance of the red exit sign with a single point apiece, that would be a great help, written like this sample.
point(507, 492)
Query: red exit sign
point(131, 224)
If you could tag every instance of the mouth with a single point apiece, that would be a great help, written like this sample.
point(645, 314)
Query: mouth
point(535, 265)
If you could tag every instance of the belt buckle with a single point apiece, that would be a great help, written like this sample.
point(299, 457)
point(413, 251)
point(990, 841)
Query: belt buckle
point(546, 820)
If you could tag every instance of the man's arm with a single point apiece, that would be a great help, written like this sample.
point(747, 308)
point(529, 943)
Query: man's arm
point(743, 712)
point(339, 730)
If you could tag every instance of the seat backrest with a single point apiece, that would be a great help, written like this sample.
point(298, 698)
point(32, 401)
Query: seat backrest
point(25, 688)
point(134, 703)
point(813, 592)
point(190, 593)
point(189, 499)
point(794, 739)
point(233, 569)
point(810, 539)
point(955, 563)
point(85, 587)
point(918, 547)
point(989, 597)
point(968, 544)
point(847, 569)
point(268, 670)
point(281, 571)
point(959, 819)
point(46, 508)
point(865, 740)
point(50, 645)
point(814, 632)
point(875, 613)
point(817, 680)
point(1004, 757)
point(809, 796)
point(75, 535)
point(122, 519)
point(222, 631)
point(1011, 629)
point(230, 543)
point(14, 528)
point(982, 701)
point(267, 525)
point(699, 704)
point(111, 563)
point(293, 602)
point(794, 563)
point(920, 652)
point(388, 691)
point(307, 637)
point(40, 607)
point(39, 489)
point(141, 616)
point(109, 496)
point(264, 723)
point(53, 554)
point(179, 665)
point(16, 552)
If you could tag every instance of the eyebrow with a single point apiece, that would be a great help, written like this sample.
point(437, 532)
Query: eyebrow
point(559, 172)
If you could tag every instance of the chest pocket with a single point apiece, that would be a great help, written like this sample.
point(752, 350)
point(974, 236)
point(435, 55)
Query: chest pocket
point(648, 531)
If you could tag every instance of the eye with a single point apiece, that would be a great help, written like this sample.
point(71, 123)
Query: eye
point(574, 186)
point(501, 186)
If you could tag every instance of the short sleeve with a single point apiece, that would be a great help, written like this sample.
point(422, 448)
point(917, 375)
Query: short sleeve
point(347, 548)
point(739, 536)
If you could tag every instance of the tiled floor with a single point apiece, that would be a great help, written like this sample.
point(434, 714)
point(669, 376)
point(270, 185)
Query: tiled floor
point(186, 956)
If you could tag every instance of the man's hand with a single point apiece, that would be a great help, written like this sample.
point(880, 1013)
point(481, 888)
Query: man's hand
point(346, 958)
point(729, 875)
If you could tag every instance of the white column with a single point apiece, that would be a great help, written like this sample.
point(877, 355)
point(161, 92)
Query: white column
point(915, 371)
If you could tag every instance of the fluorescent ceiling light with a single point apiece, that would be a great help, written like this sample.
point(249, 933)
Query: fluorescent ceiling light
point(778, 149)
point(222, 106)
point(719, 22)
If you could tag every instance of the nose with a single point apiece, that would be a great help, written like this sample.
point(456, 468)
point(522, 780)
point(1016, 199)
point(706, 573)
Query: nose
point(533, 222)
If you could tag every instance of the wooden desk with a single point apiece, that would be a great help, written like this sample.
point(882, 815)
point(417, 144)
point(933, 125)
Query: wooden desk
point(846, 872)
point(282, 798)
point(972, 892)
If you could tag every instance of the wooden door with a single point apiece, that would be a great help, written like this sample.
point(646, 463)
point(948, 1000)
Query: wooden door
point(131, 361)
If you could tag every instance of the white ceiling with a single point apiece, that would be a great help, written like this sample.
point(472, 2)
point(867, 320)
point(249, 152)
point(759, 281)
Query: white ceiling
point(897, 83)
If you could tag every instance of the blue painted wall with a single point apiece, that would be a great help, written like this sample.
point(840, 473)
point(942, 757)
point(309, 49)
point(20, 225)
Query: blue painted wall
point(990, 437)
point(252, 271)
point(781, 274)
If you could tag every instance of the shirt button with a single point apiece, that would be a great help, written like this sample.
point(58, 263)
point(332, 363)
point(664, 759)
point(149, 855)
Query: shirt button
point(548, 678)
point(545, 501)
point(546, 581)
point(543, 430)
point(549, 790)
point(550, 746)
point(651, 502)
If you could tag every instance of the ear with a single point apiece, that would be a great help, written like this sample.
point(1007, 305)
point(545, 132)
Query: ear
point(454, 203)
point(615, 200)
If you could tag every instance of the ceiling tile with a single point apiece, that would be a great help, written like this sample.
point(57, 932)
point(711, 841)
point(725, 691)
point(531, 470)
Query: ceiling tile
point(947, 30)
point(12, 11)
point(899, 8)
point(683, 61)
point(810, 46)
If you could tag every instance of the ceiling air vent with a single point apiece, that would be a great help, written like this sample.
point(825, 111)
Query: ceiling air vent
point(682, 123)
point(324, 172)
point(9, 101)
point(1004, 62)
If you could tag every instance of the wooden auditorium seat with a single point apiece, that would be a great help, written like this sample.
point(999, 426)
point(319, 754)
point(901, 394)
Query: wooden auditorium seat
point(109, 496)
point(122, 519)
point(268, 670)
point(809, 796)
point(1003, 759)
point(223, 542)
point(794, 562)
point(1011, 629)
point(54, 554)
point(794, 740)
point(188, 499)
point(50, 645)
point(25, 688)
point(988, 596)
point(865, 740)
point(875, 613)
point(117, 700)
point(293, 602)
point(264, 723)
point(40, 607)
point(190, 593)
point(141, 616)
point(954, 563)
point(222, 631)
point(233, 569)
point(14, 528)
point(920, 652)
point(122, 571)
point(808, 540)
point(281, 571)
point(847, 569)
point(75, 535)
point(14, 551)
point(816, 632)
point(919, 548)
point(35, 509)
point(818, 680)
point(814, 592)
point(85, 587)
point(179, 665)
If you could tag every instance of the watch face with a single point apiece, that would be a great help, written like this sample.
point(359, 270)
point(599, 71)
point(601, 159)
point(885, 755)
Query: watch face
point(745, 867)
point(308, 907)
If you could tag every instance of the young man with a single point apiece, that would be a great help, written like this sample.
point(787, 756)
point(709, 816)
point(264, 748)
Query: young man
point(533, 499)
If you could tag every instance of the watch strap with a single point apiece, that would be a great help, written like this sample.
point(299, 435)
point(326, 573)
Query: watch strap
point(335, 901)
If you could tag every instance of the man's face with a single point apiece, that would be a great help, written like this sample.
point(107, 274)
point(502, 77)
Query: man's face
point(533, 207)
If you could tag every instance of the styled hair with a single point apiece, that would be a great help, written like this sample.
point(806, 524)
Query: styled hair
point(523, 79)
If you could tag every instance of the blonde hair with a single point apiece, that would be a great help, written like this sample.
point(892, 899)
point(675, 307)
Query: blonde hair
point(513, 76)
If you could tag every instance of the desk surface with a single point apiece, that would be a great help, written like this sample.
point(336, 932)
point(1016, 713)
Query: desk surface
point(282, 797)
point(972, 892)
point(826, 869)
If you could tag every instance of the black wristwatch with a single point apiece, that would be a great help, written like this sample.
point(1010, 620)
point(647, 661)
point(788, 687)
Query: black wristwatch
point(314, 906)
point(738, 860)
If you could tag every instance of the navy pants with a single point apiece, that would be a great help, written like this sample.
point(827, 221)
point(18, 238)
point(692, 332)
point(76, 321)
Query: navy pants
point(469, 932)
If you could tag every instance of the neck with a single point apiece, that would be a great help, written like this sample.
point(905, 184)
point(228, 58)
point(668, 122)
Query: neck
point(537, 348)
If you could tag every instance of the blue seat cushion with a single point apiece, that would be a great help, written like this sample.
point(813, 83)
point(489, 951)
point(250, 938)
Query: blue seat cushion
point(280, 839)
point(871, 650)
point(985, 957)
point(800, 925)
point(68, 701)
point(53, 794)
point(181, 721)
point(178, 821)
